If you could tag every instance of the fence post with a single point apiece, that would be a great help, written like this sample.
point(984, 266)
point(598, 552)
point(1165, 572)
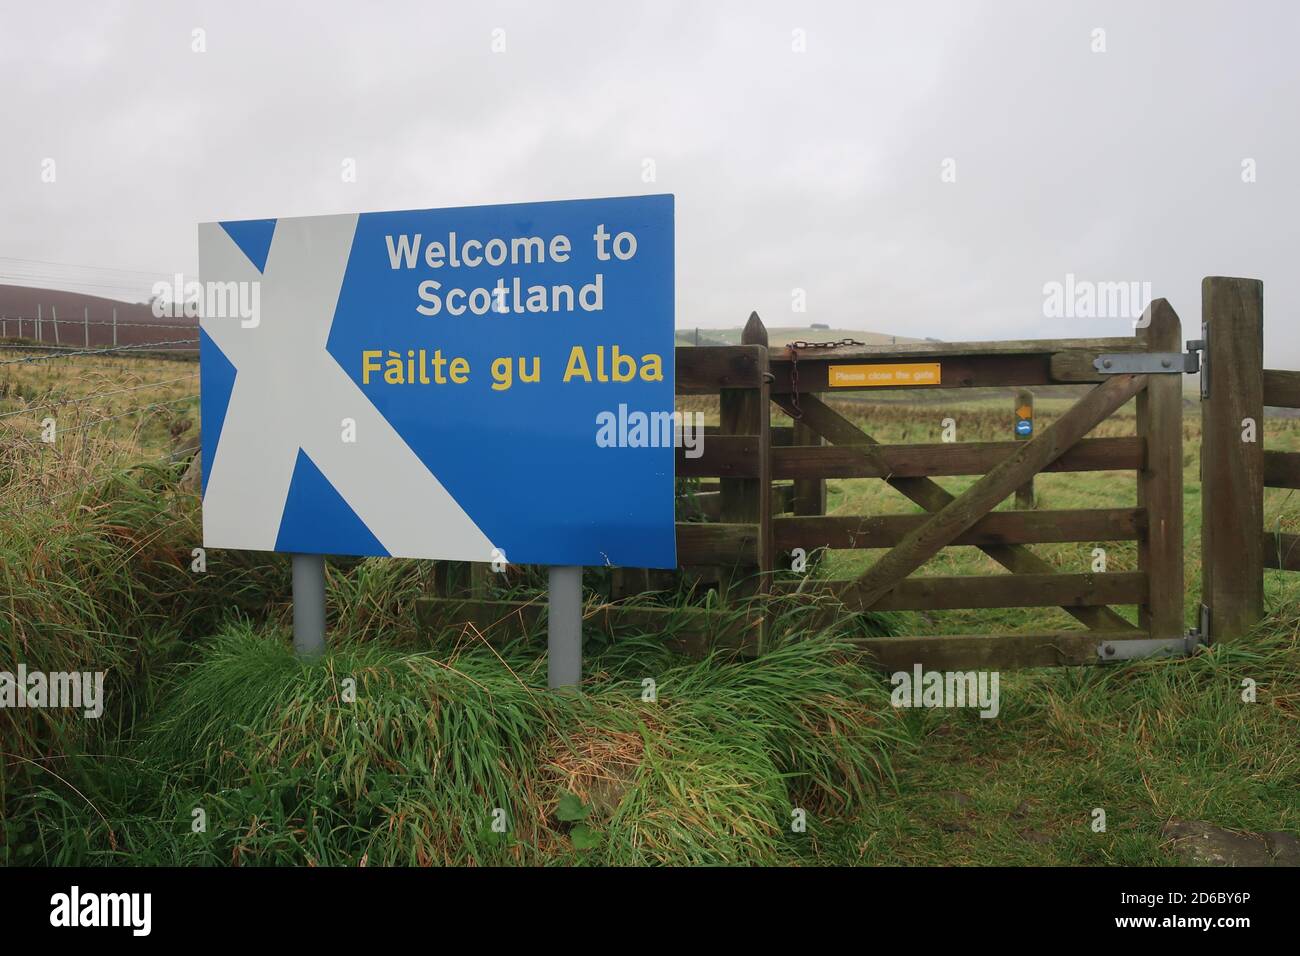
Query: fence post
point(85, 325)
point(1024, 412)
point(39, 337)
point(1160, 481)
point(809, 493)
point(114, 328)
point(54, 314)
point(757, 335)
point(480, 579)
point(472, 579)
point(746, 411)
point(1232, 455)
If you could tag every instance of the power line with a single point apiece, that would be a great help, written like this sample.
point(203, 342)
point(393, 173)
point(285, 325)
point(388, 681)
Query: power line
point(115, 282)
point(23, 282)
point(105, 281)
point(74, 265)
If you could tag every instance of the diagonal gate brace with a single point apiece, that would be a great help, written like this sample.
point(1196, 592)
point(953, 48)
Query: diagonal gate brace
point(920, 545)
point(933, 497)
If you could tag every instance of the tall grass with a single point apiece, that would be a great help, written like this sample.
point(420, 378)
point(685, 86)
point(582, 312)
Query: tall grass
point(97, 578)
point(378, 755)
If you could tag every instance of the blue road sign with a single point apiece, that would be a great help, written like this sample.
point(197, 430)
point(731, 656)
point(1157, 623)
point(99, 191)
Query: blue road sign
point(1024, 426)
point(489, 382)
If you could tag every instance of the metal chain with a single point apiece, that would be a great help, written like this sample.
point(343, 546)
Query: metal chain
point(794, 348)
point(825, 345)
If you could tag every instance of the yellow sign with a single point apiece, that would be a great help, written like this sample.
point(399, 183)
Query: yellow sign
point(883, 376)
point(1024, 411)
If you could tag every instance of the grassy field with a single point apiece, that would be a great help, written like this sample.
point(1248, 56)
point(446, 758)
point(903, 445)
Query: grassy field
point(1147, 743)
point(406, 747)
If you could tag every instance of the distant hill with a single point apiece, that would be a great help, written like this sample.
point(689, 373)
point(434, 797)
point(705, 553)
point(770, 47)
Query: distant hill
point(21, 306)
point(84, 318)
point(780, 336)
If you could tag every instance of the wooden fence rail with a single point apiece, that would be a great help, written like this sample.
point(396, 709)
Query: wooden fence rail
point(995, 528)
point(1281, 388)
point(737, 456)
point(1281, 550)
point(1281, 469)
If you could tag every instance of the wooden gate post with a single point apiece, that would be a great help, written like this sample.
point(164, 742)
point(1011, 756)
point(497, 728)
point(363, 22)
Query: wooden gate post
point(809, 499)
point(809, 493)
point(747, 411)
point(1160, 480)
point(1232, 455)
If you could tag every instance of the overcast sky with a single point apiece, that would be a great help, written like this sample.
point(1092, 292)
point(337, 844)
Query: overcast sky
point(820, 170)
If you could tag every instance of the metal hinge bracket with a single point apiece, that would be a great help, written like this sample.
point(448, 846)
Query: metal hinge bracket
point(1195, 359)
point(1157, 646)
point(1149, 363)
point(1203, 346)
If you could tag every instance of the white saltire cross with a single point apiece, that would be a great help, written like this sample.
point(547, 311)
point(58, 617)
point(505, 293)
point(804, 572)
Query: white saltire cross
point(290, 393)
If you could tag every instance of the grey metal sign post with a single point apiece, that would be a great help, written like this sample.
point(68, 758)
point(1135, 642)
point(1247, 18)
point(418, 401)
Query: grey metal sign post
point(309, 605)
point(564, 628)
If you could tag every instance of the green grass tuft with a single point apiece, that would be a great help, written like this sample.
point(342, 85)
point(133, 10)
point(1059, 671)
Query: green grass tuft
point(288, 771)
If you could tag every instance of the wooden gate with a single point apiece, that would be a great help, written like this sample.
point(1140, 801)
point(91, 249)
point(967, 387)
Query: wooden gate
point(757, 518)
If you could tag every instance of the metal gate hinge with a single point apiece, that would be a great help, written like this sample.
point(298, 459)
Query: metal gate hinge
point(1203, 346)
point(1151, 363)
point(1140, 648)
point(1195, 359)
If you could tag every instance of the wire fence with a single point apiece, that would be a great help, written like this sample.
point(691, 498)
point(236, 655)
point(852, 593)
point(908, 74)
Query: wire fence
point(72, 352)
point(54, 330)
point(60, 402)
point(83, 426)
point(178, 323)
